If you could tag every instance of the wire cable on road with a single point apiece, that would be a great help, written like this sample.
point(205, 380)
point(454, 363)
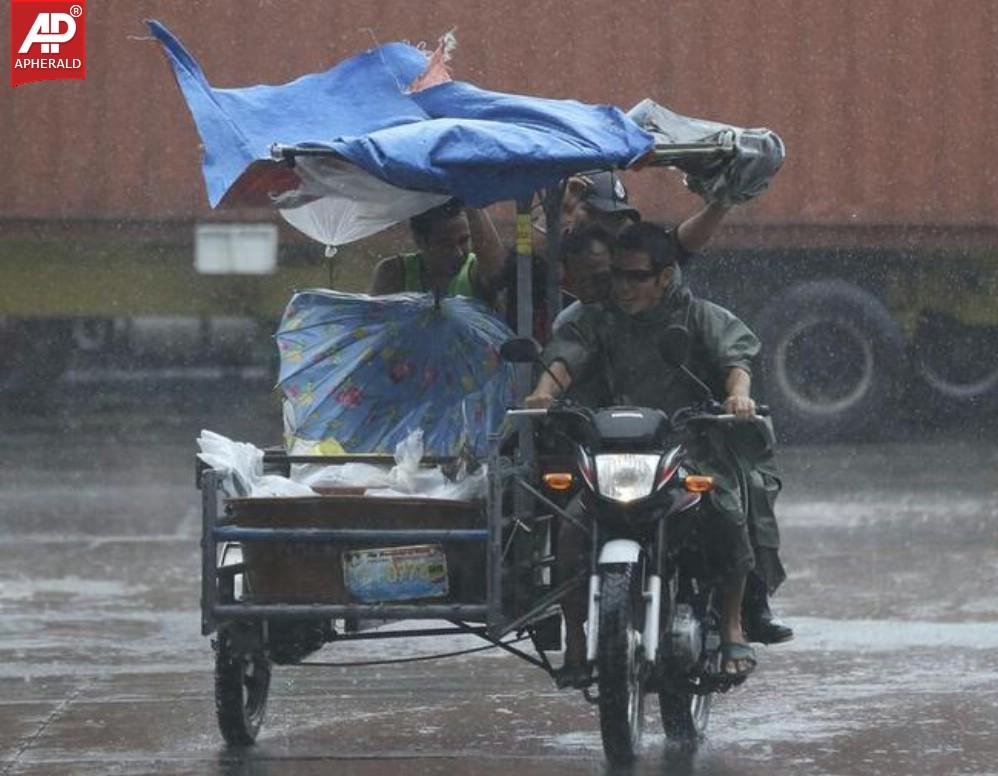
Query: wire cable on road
point(420, 658)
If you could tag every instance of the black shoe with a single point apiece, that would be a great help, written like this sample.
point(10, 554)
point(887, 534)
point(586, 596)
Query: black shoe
point(763, 628)
point(572, 676)
point(758, 622)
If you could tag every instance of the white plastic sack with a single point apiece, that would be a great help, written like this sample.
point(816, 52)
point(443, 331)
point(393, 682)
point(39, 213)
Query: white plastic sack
point(242, 467)
point(408, 479)
point(471, 488)
point(346, 475)
point(407, 476)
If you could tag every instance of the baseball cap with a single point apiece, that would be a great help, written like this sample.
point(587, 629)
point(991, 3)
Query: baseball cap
point(606, 192)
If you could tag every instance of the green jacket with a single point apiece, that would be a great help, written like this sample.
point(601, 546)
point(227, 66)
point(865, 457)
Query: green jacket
point(620, 352)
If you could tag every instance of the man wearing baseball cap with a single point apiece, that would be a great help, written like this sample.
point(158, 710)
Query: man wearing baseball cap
point(600, 199)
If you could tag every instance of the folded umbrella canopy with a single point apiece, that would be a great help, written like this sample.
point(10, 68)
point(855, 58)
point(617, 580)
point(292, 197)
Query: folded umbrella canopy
point(447, 139)
point(756, 155)
point(362, 372)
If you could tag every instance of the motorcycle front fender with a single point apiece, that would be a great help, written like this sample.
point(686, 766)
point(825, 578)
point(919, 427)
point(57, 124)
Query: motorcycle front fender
point(614, 551)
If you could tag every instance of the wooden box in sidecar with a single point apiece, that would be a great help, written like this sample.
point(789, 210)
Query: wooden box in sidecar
point(300, 572)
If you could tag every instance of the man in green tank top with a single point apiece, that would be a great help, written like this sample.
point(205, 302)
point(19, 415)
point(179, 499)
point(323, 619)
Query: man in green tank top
point(459, 254)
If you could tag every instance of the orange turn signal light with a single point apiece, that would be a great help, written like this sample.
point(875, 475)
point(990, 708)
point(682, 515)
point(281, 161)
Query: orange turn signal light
point(698, 483)
point(558, 480)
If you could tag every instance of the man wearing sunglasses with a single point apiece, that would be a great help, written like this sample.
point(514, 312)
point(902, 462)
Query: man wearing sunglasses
point(585, 263)
point(598, 210)
point(599, 200)
point(618, 341)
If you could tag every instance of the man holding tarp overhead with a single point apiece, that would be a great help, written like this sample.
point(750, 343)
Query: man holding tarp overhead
point(601, 199)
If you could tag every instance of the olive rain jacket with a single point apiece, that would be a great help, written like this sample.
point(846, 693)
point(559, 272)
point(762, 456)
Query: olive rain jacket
point(618, 358)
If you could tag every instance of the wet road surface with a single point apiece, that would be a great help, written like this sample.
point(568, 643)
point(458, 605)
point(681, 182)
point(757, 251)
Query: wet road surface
point(892, 550)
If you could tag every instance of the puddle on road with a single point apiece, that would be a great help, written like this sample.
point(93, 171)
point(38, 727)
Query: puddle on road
point(929, 510)
point(888, 635)
point(71, 587)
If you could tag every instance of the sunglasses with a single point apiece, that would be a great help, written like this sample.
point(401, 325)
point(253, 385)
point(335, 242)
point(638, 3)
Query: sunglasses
point(633, 275)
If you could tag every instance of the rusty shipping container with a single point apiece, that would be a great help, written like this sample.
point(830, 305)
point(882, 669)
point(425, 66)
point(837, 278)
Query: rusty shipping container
point(885, 106)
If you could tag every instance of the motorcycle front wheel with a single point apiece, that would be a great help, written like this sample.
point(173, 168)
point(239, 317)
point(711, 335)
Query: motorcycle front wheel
point(620, 662)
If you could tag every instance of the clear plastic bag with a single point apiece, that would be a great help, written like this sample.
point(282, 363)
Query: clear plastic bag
point(407, 476)
point(408, 479)
point(242, 466)
point(345, 475)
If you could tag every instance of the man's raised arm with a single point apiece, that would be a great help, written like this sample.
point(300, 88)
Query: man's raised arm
point(488, 248)
point(695, 232)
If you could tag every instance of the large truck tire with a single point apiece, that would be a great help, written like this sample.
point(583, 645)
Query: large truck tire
point(957, 364)
point(832, 359)
point(33, 355)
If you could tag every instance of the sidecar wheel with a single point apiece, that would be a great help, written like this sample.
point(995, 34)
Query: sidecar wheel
point(684, 716)
point(620, 662)
point(242, 684)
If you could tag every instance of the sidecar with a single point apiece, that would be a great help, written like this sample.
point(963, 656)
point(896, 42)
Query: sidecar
point(281, 577)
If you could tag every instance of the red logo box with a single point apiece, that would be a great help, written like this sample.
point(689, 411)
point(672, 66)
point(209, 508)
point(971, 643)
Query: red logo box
point(47, 41)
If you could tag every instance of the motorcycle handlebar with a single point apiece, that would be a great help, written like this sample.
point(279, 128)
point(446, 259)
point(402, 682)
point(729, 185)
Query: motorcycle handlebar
point(761, 411)
point(527, 412)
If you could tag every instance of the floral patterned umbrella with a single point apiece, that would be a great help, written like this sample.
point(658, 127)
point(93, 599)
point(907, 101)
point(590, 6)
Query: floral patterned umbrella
point(362, 372)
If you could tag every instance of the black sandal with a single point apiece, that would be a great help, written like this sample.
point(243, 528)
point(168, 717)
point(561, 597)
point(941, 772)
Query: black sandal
point(733, 653)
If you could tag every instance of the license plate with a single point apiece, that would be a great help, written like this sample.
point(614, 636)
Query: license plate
point(396, 573)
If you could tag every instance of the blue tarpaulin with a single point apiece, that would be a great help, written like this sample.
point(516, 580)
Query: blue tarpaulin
point(451, 139)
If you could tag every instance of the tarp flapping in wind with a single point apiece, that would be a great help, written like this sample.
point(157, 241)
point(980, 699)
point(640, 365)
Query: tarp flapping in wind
point(449, 139)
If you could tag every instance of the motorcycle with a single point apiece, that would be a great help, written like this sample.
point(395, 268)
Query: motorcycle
point(653, 610)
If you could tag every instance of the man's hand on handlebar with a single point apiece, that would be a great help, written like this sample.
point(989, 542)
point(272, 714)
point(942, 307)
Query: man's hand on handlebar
point(539, 400)
point(741, 407)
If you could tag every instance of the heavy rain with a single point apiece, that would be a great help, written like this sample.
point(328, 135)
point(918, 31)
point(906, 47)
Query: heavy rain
point(135, 316)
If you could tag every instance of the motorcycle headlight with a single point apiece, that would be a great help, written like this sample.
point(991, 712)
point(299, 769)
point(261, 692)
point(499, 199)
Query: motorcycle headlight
point(626, 477)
